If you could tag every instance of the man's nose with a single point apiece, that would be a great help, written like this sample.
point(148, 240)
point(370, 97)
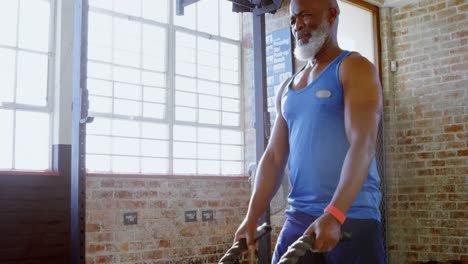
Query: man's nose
point(298, 25)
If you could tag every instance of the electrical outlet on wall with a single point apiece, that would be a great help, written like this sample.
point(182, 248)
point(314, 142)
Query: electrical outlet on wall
point(207, 215)
point(191, 216)
point(130, 218)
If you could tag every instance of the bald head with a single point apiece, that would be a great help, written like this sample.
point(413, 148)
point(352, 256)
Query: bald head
point(322, 4)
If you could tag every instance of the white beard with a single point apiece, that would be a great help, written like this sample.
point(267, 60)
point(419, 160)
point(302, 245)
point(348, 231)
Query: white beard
point(305, 52)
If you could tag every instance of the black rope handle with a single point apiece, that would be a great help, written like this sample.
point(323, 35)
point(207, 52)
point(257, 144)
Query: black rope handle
point(233, 254)
point(302, 245)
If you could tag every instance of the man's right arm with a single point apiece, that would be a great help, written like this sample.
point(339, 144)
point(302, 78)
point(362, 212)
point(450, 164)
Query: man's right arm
point(269, 173)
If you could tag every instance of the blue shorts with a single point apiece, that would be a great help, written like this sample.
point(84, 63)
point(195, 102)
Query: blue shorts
point(366, 245)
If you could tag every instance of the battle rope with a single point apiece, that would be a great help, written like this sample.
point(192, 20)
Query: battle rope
point(233, 254)
point(302, 245)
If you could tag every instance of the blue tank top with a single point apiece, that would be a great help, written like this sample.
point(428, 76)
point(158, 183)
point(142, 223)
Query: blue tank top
point(318, 146)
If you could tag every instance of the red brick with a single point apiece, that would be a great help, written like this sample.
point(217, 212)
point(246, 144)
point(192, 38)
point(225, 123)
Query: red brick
point(453, 128)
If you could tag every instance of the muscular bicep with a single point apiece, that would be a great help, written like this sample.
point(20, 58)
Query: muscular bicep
point(278, 145)
point(363, 100)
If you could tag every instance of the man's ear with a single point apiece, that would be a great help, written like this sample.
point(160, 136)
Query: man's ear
point(332, 15)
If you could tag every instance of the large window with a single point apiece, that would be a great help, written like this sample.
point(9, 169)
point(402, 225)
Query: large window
point(165, 89)
point(25, 90)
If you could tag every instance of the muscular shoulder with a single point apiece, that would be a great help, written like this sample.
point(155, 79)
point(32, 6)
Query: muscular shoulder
point(356, 67)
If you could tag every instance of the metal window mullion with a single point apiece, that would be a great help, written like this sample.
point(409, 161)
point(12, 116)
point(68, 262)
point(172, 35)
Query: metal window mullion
point(50, 102)
point(16, 48)
point(241, 95)
point(170, 88)
point(197, 112)
point(142, 94)
point(111, 151)
point(15, 83)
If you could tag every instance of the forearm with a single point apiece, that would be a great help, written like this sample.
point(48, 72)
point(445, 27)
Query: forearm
point(353, 175)
point(267, 181)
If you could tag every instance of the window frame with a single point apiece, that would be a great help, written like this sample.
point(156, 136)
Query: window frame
point(48, 108)
point(169, 118)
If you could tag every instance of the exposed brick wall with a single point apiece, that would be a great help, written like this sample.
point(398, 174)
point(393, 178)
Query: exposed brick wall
point(161, 234)
point(426, 127)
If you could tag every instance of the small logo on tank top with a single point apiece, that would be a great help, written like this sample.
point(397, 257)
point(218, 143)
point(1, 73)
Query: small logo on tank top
point(323, 93)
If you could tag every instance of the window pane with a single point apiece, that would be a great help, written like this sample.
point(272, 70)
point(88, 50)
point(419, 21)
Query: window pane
point(231, 137)
point(125, 128)
point(98, 144)
point(230, 76)
point(100, 126)
point(154, 110)
point(208, 151)
point(185, 150)
point(6, 139)
point(99, 53)
point(127, 34)
point(125, 164)
point(229, 21)
point(209, 135)
point(154, 148)
point(98, 163)
point(127, 91)
point(153, 79)
point(155, 10)
point(8, 22)
point(230, 119)
point(208, 72)
point(188, 19)
point(208, 59)
point(128, 7)
point(154, 95)
point(34, 25)
point(127, 107)
point(185, 133)
point(208, 16)
point(231, 168)
point(186, 99)
point(185, 84)
point(154, 41)
point(152, 165)
point(210, 102)
point(99, 87)
point(99, 70)
point(127, 75)
point(106, 4)
point(7, 69)
point(209, 167)
point(32, 79)
point(125, 146)
point(32, 150)
point(184, 166)
point(127, 58)
point(232, 105)
point(100, 104)
point(230, 90)
point(154, 48)
point(186, 114)
point(207, 87)
point(231, 152)
point(152, 130)
point(208, 117)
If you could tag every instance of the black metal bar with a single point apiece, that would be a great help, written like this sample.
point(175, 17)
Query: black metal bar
point(79, 117)
point(259, 53)
point(181, 4)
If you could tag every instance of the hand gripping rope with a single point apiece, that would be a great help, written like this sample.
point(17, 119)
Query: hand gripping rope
point(233, 254)
point(302, 245)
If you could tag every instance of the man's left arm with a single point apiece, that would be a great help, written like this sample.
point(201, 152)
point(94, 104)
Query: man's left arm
point(363, 109)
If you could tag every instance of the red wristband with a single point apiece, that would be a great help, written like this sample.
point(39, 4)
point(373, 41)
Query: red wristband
point(335, 212)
